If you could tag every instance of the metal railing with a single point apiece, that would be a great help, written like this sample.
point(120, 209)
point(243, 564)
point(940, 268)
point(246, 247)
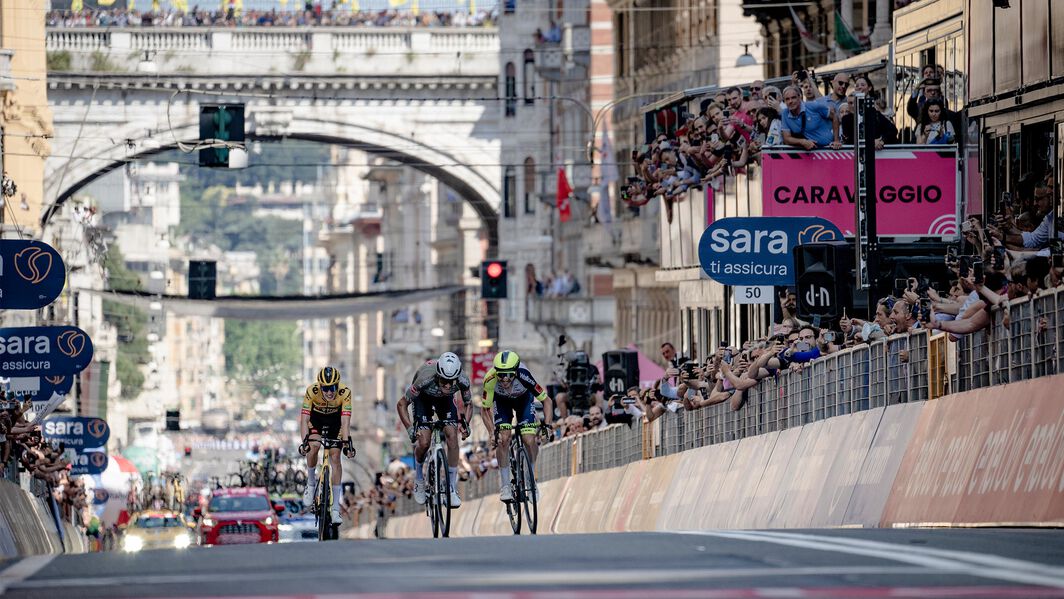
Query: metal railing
point(900, 369)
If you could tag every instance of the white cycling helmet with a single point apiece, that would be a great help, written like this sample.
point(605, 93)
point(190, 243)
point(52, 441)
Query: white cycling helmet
point(448, 366)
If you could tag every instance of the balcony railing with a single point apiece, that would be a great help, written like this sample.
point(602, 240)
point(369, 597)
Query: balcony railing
point(571, 311)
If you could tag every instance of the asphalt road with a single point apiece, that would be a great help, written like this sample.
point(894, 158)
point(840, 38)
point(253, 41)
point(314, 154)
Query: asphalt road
point(835, 563)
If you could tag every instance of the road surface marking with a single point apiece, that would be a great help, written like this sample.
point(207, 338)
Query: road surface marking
point(974, 564)
point(23, 569)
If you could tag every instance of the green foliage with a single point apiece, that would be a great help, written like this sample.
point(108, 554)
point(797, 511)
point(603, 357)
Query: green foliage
point(300, 60)
point(130, 325)
point(266, 355)
point(59, 61)
point(102, 64)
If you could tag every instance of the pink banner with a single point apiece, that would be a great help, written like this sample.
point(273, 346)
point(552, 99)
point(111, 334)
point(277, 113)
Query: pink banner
point(917, 188)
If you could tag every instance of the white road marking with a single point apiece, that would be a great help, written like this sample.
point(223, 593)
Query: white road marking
point(23, 569)
point(982, 565)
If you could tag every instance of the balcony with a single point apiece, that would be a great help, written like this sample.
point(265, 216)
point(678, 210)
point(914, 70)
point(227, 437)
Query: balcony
point(639, 236)
point(7, 81)
point(571, 311)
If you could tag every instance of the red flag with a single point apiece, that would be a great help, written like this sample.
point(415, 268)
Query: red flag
point(565, 193)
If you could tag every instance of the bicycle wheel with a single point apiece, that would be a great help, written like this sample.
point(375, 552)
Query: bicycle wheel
point(443, 494)
point(431, 504)
point(324, 505)
point(528, 489)
point(513, 507)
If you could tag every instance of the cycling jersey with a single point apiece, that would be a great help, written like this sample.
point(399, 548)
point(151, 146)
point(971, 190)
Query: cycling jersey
point(314, 401)
point(425, 386)
point(523, 384)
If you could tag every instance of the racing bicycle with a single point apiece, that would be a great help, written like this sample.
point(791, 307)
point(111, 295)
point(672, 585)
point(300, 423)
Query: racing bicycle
point(437, 483)
point(327, 529)
point(522, 485)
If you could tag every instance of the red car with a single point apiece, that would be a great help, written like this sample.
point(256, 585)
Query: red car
point(239, 516)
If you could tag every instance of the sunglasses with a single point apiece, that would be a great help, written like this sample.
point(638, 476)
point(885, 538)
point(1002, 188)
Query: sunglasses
point(329, 389)
point(507, 375)
point(755, 89)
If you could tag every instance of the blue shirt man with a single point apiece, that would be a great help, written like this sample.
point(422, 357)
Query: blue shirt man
point(808, 125)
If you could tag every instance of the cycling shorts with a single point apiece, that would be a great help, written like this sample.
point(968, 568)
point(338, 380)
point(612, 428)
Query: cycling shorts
point(327, 425)
point(444, 409)
point(523, 407)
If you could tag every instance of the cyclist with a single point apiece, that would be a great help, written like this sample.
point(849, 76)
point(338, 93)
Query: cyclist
point(326, 414)
point(516, 391)
point(432, 391)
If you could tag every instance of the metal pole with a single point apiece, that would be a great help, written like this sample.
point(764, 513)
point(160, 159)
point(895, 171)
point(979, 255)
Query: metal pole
point(864, 160)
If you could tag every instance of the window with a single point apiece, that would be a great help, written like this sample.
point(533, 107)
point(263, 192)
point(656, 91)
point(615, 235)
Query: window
point(530, 185)
point(509, 192)
point(529, 77)
point(511, 89)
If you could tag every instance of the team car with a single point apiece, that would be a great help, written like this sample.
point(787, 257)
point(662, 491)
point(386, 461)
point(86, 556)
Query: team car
point(239, 516)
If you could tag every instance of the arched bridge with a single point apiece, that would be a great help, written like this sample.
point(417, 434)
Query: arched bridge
point(426, 98)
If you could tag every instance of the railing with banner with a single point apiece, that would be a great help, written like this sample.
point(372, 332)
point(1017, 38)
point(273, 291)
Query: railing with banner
point(1025, 340)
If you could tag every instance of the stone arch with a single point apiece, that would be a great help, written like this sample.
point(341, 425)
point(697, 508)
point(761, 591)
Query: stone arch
point(66, 177)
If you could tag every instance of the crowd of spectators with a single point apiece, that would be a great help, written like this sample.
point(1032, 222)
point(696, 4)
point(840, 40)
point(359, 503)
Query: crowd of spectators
point(22, 446)
point(312, 14)
point(730, 129)
point(555, 285)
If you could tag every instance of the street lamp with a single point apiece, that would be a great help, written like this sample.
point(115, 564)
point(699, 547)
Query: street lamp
point(746, 59)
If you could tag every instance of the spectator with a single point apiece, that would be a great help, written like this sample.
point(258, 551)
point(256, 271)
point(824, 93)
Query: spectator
point(769, 127)
point(808, 125)
point(839, 85)
point(595, 419)
point(934, 129)
point(1038, 239)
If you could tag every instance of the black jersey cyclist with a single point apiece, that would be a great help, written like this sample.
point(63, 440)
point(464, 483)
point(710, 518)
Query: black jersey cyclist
point(510, 390)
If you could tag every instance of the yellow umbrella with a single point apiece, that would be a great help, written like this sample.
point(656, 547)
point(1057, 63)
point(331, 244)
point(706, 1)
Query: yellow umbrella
point(77, 5)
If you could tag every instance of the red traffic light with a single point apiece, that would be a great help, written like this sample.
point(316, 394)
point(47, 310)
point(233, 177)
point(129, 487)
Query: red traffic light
point(494, 270)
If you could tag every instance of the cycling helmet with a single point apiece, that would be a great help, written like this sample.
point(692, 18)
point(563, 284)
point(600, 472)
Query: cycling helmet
point(448, 366)
point(328, 377)
point(506, 361)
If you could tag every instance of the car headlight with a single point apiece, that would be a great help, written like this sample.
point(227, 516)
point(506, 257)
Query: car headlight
point(182, 541)
point(207, 522)
point(132, 543)
point(268, 521)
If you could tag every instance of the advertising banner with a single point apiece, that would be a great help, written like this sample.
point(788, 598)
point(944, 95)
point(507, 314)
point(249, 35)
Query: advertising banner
point(756, 251)
point(77, 432)
point(32, 274)
point(43, 351)
point(481, 365)
point(916, 189)
point(89, 461)
point(41, 388)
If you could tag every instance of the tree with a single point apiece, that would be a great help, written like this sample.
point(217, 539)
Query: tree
point(265, 355)
point(130, 325)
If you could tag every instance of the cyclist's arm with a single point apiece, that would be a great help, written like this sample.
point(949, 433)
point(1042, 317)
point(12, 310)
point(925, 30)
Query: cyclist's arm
point(402, 407)
point(304, 415)
point(486, 403)
point(345, 415)
point(539, 393)
point(467, 398)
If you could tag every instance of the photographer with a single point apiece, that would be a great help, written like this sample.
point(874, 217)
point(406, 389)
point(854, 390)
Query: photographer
point(624, 409)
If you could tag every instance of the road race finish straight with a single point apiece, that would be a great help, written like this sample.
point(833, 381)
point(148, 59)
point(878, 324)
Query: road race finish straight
point(32, 274)
point(44, 351)
point(757, 251)
point(917, 189)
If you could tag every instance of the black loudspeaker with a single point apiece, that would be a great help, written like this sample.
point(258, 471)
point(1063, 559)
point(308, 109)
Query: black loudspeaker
point(621, 370)
point(825, 275)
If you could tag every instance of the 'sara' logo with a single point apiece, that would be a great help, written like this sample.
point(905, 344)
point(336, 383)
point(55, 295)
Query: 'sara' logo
point(98, 458)
point(71, 343)
point(55, 380)
point(33, 264)
point(97, 428)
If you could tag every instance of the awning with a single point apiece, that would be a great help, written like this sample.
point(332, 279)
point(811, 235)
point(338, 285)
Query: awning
point(278, 307)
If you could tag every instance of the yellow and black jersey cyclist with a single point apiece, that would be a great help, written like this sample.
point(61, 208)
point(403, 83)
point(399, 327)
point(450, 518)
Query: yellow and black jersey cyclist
point(509, 390)
point(326, 414)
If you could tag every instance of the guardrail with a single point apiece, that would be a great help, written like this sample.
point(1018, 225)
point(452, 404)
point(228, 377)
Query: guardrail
point(869, 376)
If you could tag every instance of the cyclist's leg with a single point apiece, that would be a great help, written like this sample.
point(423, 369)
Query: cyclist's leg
point(526, 421)
point(504, 416)
point(447, 412)
point(423, 425)
point(312, 462)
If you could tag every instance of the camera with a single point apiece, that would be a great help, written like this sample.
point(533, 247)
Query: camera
point(829, 337)
point(688, 369)
point(727, 357)
point(802, 346)
point(966, 226)
point(977, 267)
point(578, 375)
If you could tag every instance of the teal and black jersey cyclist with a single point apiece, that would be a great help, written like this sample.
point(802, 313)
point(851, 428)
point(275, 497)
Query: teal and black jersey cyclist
point(510, 390)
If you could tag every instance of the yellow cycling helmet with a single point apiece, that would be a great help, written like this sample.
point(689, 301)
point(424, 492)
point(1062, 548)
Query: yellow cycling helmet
point(506, 361)
point(328, 377)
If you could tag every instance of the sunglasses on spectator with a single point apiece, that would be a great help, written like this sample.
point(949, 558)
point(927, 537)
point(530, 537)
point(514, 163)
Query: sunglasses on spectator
point(755, 89)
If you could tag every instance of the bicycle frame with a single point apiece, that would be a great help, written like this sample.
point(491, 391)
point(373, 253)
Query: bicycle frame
point(437, 482)
point(523, 484)
point(323, 498)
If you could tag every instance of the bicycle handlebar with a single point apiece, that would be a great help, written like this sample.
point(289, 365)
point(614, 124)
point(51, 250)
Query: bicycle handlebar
point(325, 442)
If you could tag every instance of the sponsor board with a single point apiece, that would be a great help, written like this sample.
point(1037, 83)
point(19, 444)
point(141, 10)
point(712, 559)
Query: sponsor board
point(756, 251)
point(89, 461)
point(916, 189)
point(32, 274)
point(43, 351)
point(41, 388)
point(77, 432)
point(481, 365)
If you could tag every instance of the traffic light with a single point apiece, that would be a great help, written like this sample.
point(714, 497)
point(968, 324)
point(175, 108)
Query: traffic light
point(220, 123)
point(202, 278)
point(493, 279)
point(173, 420)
